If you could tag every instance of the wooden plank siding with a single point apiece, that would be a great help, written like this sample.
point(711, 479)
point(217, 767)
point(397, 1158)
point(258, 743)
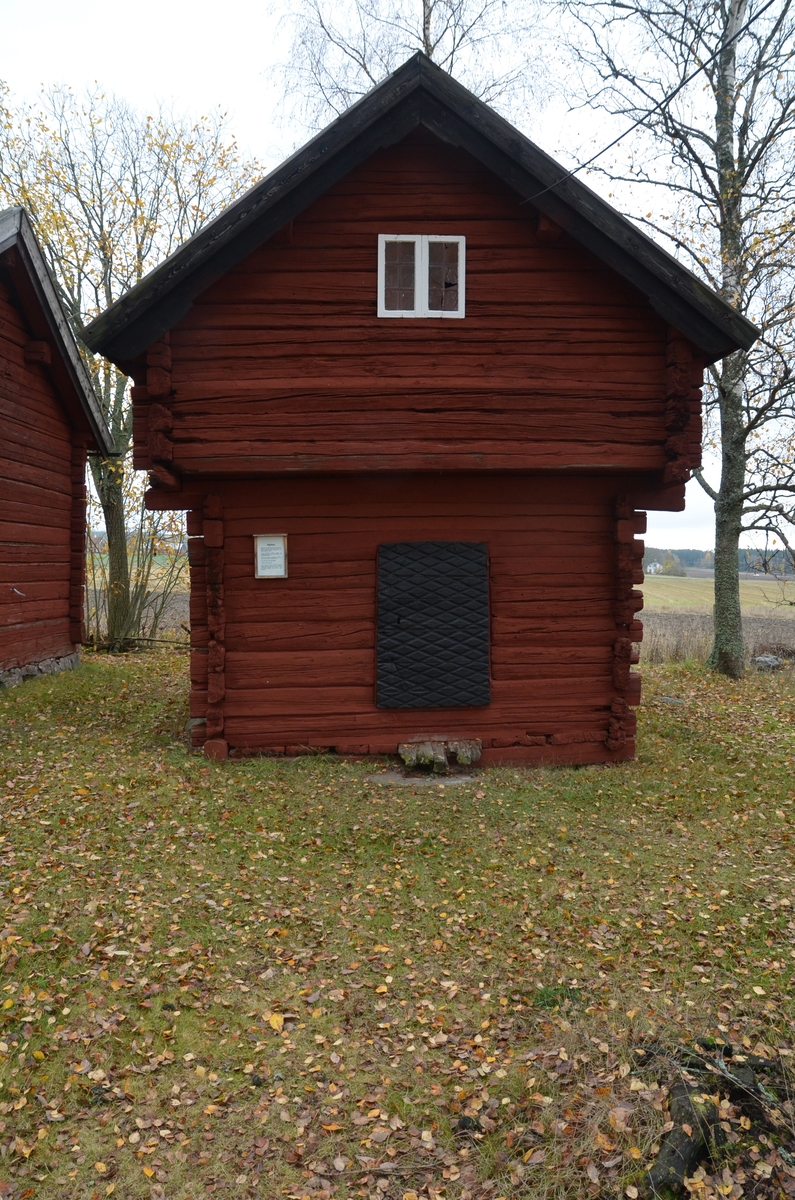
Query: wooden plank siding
point(42, 507)
point(283, 366)
point(299, 653)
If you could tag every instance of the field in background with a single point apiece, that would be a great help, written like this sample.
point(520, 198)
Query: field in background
point(273, 978)
point(759, 597)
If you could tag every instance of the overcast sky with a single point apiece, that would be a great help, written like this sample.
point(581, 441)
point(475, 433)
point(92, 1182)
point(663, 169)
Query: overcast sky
point(202, 56)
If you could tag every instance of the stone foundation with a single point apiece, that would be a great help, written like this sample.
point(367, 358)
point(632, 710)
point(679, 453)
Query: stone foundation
point(48, 666)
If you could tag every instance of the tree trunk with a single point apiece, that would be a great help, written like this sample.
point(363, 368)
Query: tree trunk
point(427, 15)
point(108, 477)
point(728, 652)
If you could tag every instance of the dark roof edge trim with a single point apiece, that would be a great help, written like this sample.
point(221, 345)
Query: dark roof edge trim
point(16, 232)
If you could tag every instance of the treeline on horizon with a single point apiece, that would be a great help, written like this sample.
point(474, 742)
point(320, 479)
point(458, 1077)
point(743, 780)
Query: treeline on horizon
point(770, 562)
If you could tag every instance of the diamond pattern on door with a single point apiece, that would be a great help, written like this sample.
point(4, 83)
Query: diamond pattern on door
point(433, 625)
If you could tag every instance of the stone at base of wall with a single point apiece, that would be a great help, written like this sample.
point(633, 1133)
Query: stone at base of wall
point(11, 676)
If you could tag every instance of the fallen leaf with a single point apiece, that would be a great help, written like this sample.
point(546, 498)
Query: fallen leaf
point(592, 1173)
point(619, 1119)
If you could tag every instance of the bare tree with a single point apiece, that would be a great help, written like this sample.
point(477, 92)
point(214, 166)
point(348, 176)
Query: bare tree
point(341, 50)
point(111, 193)
point(718, 161)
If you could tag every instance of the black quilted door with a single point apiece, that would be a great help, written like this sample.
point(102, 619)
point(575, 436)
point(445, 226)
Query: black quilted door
point(433, 625)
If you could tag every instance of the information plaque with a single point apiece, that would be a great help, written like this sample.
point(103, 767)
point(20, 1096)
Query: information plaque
point(270, 555)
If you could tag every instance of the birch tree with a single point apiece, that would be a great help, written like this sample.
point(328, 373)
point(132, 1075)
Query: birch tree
point(110, 193)
point(341, 50)
point(718, 161)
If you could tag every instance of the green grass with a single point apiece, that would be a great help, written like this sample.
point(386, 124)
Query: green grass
point(247, 977)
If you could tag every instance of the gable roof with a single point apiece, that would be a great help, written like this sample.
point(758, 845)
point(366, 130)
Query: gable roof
point(418, 93)
point(22, 260)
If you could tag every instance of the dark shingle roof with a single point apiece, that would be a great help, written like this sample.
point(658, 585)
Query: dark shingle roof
point(419, 93)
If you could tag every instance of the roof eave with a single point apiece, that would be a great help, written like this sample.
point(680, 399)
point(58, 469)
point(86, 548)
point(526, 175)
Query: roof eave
point(17, 233)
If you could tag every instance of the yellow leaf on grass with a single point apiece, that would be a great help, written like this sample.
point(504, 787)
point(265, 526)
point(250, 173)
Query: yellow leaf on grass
point(380, 949)
point(148, 1172)
point(332, 1128)
point(635, 1152)
point(381, 989)
point(101, 1167)
point(276, 1021)
point(759, 991)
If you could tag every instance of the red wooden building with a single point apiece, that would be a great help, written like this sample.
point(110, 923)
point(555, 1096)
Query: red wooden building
point(414, 390)
point(49, 418)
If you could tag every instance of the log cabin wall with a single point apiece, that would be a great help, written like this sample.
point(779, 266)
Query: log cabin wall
point(283, 365)
point(298, 654)
point(42, 505)
point(567, 399)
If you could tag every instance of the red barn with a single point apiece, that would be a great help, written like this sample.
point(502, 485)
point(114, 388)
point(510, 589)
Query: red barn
point(49, 418)
point(413, 390)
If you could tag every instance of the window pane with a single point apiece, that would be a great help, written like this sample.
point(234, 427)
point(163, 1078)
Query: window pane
point(399, 276)
point(443, 276)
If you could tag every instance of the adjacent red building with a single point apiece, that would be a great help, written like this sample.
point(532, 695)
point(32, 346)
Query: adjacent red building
point(414, 390)
point(49, 419)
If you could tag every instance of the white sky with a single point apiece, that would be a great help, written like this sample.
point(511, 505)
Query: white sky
point(203, 56)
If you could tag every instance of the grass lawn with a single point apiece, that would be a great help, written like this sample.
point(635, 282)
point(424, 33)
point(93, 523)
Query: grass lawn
point(759, 597)
point(275, 978)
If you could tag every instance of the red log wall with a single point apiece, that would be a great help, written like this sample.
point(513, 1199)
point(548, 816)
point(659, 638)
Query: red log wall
point(283, 365)
point(290, 663)
point(42, 508)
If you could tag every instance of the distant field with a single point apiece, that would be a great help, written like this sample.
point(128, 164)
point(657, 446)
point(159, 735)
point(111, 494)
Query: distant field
point(671, 594)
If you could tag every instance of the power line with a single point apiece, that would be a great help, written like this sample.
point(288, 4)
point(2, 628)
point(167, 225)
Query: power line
point(661, 104)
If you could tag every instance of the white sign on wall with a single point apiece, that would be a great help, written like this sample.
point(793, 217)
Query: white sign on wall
point(270, 555)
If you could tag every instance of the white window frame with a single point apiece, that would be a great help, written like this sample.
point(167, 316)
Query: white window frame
point(421, 268)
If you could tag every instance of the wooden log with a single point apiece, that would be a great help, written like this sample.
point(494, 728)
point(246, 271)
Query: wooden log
point(697, 1134)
